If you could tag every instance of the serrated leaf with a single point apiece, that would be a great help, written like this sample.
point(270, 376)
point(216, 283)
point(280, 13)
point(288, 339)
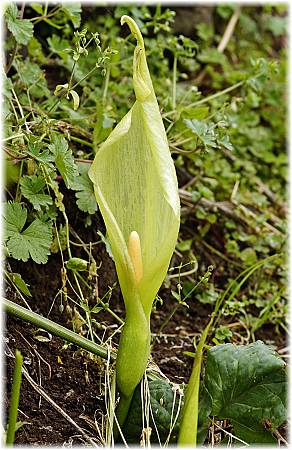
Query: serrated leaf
point(22, 29)
point(224, 141)
point(12, 11)
point(33, 242)
point(35, 151)
point(64, 159)
point(59, 46)
point(205, 134)
point(15, 217)
point(248, 385)
point(31, 75)
point(85, 193)
point(72, 11)
point(31, 187)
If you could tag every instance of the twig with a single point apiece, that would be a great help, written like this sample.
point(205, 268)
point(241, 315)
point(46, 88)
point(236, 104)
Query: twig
point(228, 434)
point(229, 30)
point(224, 40)
point(226, 207)
point(15, 157)
point(192, 181)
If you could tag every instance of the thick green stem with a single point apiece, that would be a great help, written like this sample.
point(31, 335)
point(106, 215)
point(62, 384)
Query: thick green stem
point(15, 393)
point(189, 424)
point(133, 354)
point(121, 413)
point(56, 329)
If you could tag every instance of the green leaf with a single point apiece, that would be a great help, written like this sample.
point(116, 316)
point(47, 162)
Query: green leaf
point(32, 76)
point(166, 400)
point(277, 25)
point(64, 159)
point(224, 141)
point(253, 433)
point(96, 309)
point(59, 46)
point(17, 279)
point(37, 8)
point(103, 125)
point(212, 56)
point(248, 385)
point(205, 134)
point(85, 193)
point(31, 187)
point(35, 51)
point(248, 256)
point(72, 11)
point(164, 405)
point(107, 243)
point(35, 151)
point(22, 29)
point(184, 245)
point(32, 242)
point(15, 218)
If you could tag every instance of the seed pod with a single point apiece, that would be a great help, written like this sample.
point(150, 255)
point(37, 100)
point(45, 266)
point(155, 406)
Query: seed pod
point(76, 264)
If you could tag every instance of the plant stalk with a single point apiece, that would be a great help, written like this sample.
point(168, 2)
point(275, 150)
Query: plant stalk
point(189, 424)
point(15, 393)
point(174, 82)
point(56, 329)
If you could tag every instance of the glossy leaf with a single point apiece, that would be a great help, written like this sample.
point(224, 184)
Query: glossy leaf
point(248, 385)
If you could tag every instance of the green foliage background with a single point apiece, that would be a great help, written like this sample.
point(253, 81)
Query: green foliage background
point(69, 81)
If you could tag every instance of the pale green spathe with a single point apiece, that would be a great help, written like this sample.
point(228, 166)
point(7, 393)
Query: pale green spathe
point(136, 189)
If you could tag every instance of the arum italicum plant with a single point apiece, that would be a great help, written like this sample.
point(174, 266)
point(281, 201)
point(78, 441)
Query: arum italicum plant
point(136, 189)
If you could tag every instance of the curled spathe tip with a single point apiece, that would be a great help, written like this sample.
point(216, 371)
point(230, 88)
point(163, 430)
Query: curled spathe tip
point(134, 29)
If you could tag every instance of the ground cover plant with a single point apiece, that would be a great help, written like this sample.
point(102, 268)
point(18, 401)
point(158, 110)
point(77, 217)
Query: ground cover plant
point(131, 329)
